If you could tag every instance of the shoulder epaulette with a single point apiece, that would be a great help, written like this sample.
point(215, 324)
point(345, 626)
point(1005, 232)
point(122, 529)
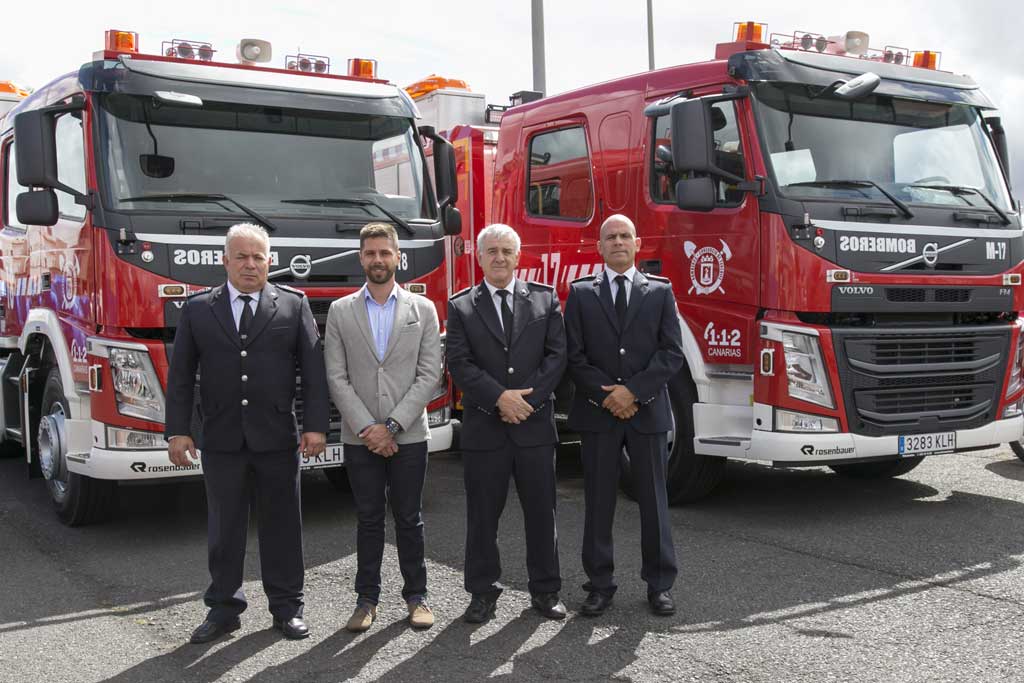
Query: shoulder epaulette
point(460, 293)
point(286, 288)
point(204, 290)
point(539, 285)
point(585, 278)
point(659, 278)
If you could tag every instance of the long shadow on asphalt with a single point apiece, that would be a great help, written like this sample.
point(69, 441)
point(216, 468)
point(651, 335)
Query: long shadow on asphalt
point(1010, 469)
point(770, 546)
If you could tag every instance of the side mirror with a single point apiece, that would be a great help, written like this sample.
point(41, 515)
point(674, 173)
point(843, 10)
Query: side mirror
point(36, 150)
point(37, 208)
point(691, 137)
point(444, 168)
point(452, 220)
point(696, 194)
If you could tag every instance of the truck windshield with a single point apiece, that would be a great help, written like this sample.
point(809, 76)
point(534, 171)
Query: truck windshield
point(916, 152)
point(261, 157)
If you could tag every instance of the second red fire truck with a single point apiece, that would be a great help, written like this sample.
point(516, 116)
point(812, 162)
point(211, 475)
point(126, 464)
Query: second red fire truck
point(837, 224)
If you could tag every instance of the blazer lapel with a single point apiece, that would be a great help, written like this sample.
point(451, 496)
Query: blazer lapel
point(485, 307)
point(220, 302)
point(265, 311)
point(521, 311)
point(358, 304)
point(403, 311)
point(635, 297)
point(604, 295)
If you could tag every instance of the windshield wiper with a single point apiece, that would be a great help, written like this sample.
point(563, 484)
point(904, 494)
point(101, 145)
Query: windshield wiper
point(858, 183)
point(964, 189)
point(354, 201)
point(200, 197)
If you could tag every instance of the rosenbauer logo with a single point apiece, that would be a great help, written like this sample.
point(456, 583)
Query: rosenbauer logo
point(822, 452)
point(143, 468)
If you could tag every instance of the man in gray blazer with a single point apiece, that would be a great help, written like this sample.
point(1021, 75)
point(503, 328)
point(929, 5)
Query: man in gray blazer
point(383, 356)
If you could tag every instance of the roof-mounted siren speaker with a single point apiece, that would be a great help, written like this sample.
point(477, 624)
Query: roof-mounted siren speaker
point(854, 43)
point(253, 51)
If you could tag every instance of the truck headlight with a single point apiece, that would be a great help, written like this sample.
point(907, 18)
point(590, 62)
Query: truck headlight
point(442, 384)
point(805, 369)
point(1018, 362)
point(137, 390)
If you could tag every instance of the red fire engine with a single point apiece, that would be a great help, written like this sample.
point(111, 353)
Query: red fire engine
point(121, 179)
point(836, 221)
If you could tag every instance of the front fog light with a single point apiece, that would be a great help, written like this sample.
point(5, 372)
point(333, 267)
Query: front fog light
point(805, 369)
point(1014, 409)
point(135, 439)
point(789, 421)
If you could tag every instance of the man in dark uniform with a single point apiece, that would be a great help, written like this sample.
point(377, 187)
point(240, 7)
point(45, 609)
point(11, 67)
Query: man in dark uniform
point(506, 352)
point(625, 344)
point(246, 338)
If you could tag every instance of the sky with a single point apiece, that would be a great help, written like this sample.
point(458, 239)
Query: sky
point(488, 43)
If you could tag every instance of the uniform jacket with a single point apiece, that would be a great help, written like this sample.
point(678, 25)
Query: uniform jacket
point(643, 355)
point(247, 389)
point(367, 390)
point(483, 366)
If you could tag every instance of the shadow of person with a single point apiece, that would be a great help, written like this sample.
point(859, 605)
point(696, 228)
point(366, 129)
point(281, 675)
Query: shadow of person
point(1008, 469)
point(207, 662)
point(339, 657)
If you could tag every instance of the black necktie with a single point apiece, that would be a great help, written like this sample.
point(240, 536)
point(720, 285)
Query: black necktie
point(506, 315)
point(247, 316)
point(620, 299)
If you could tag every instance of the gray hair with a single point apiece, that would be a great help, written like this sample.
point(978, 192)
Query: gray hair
point(497, 231)
point(248, 230)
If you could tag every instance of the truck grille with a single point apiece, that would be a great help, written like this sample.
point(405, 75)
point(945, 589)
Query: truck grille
point(920, 380)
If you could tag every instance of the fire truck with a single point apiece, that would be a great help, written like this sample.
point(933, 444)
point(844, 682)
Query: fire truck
point(837, 224)
point(121, 180)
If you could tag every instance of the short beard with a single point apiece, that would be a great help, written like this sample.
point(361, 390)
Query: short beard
point(377, 277)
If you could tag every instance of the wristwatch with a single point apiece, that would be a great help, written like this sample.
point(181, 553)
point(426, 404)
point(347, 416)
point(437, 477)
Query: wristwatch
point(392, 426)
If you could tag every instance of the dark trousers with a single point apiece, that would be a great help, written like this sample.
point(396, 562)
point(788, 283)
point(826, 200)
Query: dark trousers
point(271, 479)
point(486, 475)
point(377, 481)
point(648, 458)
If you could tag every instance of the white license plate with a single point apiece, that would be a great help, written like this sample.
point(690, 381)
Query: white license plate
point(916, 444)
point(333, 455)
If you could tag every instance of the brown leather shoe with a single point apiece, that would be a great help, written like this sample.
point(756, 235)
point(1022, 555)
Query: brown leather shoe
point(420, 615)
point(362, 618)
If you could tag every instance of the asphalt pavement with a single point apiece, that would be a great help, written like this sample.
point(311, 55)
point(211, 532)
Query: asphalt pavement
point(784, 576)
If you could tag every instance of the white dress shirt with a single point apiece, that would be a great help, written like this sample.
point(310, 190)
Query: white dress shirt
point(611, 274)
point(511, 289)
point(236, 303)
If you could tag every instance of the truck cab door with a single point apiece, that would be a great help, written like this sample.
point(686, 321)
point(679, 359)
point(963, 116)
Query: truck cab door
point(711, 253)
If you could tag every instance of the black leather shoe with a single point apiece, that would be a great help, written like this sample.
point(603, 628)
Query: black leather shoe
point(293, 629)
point(549, 605)
point(481, 609)
point(595, 604)
point(662, 604)
point(212, 630)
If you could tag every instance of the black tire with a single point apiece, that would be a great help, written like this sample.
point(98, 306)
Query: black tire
point(1017, 449)
point(690, 476)
point(877, 470)
point(338, 476)
point(77, 500)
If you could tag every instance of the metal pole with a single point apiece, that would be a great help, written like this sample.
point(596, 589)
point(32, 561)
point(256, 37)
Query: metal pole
point(650, 35)
point(537, 16)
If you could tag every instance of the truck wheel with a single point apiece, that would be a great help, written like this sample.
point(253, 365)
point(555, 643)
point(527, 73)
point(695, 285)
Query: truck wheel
point(1018, 449)
point(338, 476)
point(77, 499)
point(877, 470)
point(690, 476)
